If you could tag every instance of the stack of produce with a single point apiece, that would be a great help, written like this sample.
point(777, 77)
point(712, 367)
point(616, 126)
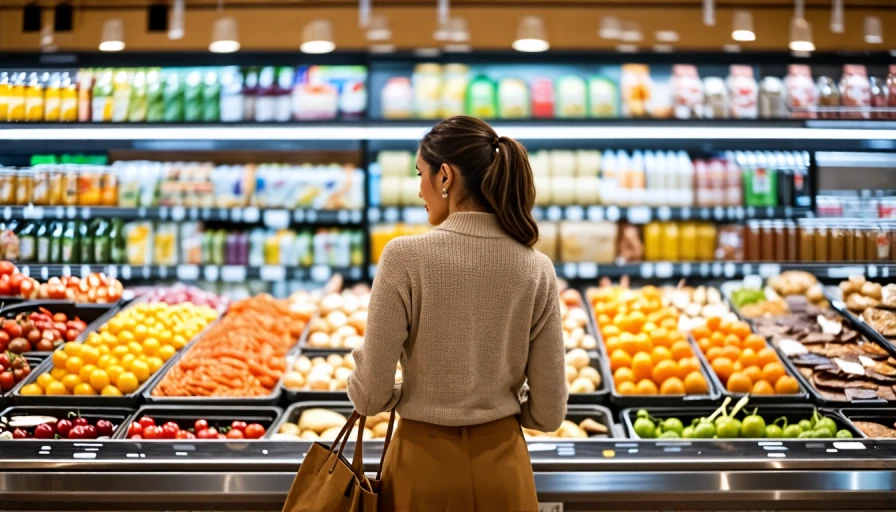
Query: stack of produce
point(38, 331)
point(873, 301)
point(696, 305)
point(342, 320)
point(648, 354)
point(180, 293)
point(13, 369)
point(742, 360)
point(322, 374)
point(243, 355)
point(575, 322)
point(146, 428)
point(323, 425)
point(95, 288)
point(125, 352)
point(73, 426)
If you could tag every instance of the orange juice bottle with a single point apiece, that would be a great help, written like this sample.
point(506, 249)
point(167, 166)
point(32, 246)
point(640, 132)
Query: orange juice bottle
point(669, 249)
point(688, 242)
point(16, 99)
point(34, 99)
point(652, 240)
point(4, 96)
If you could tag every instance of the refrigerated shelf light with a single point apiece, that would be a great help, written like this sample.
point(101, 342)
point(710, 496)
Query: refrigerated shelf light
point(742, 26)
point(176, 20)
point(873, 30)
point(225, 38)
point(112, 36)
point(318, 37)
point(531, 35)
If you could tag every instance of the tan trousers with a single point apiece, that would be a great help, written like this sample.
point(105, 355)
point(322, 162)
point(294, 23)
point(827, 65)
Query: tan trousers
point(482, 468)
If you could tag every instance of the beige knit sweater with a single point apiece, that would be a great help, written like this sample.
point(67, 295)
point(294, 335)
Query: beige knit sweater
point(473, 315)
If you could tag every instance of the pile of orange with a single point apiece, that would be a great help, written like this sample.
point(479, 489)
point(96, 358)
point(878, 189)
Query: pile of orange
point(648, 354)
point(742, 360)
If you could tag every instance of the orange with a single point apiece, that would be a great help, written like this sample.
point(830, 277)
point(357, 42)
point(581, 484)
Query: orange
point(612, 344)
point(725, 327)
point(669, 323)
point(738, 366)
point(628, 343)
point(623, 375)
point(731, 352)
point(713, 353)
point(717, 339)
point(772, 372)
point(665, 370)
point(672, 386)
point(767, 355)
point(739, 383)
point(732, 340)
point(609, 331)
point(619, 359)
point(701, 331)
point(741, 329)
point(642, 366)
point(787, 385)
point(660, 337)
point(649, 327)
point(755, 341)
point(660, 354)
point(763, 388)
point(626, 388)
point(723, 368)
point(636, 320)
point(603, 319)
point(680, 350)
point(713, 323)
point(643, 343)
point(646, 387)
point(689, 365)
point(753, 372)
point(695, 384)
point(704, 344)
point(748, 357)
point(676, 335)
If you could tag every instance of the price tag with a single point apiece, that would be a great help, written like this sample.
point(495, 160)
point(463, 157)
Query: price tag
point(85, 271)
point(357, 216)
point(588, 270)
point(788, 212)
point(872, 271)
point(569, 270)
point(298, 216)
point(205, 213)
point(44, 273)
point(550, 507)
point(746, 269)
point(595, 213)
point(415, 215)
point(612, 213)
point(236, 215)
point(354, 273)
point(210, 272)
point(373, 215)
point(320, 273)
point(163, 213)
point(844, 272)
point(194, 213)
point(769, 212)
point(769, 269)
point(147, 272)
point(25, 270)
point(71, 212)
point(343, 216)
point(7, 213)
point(188, 272)
point(311, 216)
point(685, 213)
point(112, 271)
point(273, 273)
point(141, 212)
point(554, 213)
point(371, 270)
point(225, 214)
point(276, 219)
point(178, 213)
point(85, 212)
point(639, 215)
point(538, 213)
point(233, 273)
point(647, 270)
point(686, 270)
point(60, 212)
point(663, 213)
point(751, 212)
point(730, 213)
point(390, 214)
point(32, 212)
point(703, 270)
point(729, 269)
point(716, 269)
point(251, 215)
point(664, 270)
point(885, 271)
point(575, 213)
point(163, 272)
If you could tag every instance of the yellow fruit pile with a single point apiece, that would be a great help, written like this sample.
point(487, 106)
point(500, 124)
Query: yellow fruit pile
point(125, 352)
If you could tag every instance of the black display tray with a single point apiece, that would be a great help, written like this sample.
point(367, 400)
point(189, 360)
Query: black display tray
point(215, 415)
point(118, 415)
point(34, 360)
point(884, 416)
point(92, 314)
point(769, 413)
point(860, 325)
point(310, 395)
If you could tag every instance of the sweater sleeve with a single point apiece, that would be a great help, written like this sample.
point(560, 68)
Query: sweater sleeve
point(372, 387)
point(545, 408)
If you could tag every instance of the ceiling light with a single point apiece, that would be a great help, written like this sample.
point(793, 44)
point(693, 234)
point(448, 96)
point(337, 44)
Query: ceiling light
point(837, 16)
point(873, 30)
point(663, 48)
point(731, 48)
point(709, 13)
point(382, 48)
point(378, 28)
point(458, 32)
point(176, 20)
point(318, 37)
point(224, 36)
point(531, 35)
point(631, 32)
point(666, 36)
point(610, 28)
point(443, 31)
point(801, 35)
point(113, 36)
point(742, 26)
point(627, 48)
point(364, 18)
point(46, 39)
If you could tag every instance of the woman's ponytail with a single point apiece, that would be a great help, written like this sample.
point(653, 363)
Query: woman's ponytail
point(509, 188)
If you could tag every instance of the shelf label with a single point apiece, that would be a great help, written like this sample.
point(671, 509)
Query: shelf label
point(85, 212)
point(311, 216)
point(44, 273)
point(788, 212)
point(320, 273)
point(343, 216)
point(236, 214)
point(575, 213)
point(210, 272)
point(178, 213)
point(25, 270)
point(141, 212)
point(205, 213)
point(276, 219)
point(739, 212)
point(66, 271)
point(685, 213)
point(639, 215)
point(554, 213)
point(415, 215)
point(746, 269)
point(588, 270)
point(686, 270)
point(112, 271)
point(872, 271)
point(163, 213)
point(718, 213)
point(372, 270)
point(85, 271)
point(273, 273)
point(729, 269)
point(187, 272)
point(716, 269)
point(391, 214)
point(664, 270)
point(751, 212)
point(194, 213)
point(251, 215)
point(233, 273)
point(354, 273)
point(298, 216)
point(163, 272)
point(147, 272)
point(595, 213)
point(356, 216)
point(769, 269)
point(7, 213)
point(663, 213)
point(885, 272)
point(569, 270)
point(647, 270)
point(71, 212)
point(845, 272)
point(33, 212)
point(373, 215)
point(704, 269)
point(769, 212)
point(60, 212)
point(613, 213)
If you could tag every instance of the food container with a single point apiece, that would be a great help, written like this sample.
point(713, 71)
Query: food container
point(93, 314)
point(861, 326)
point(215, 415)
point(119, 416)
point(743, 92)
point(769, 413)
point(636, 89)
point(802, 96)
point(855, 91)
point(883, 416)
point(687, 92)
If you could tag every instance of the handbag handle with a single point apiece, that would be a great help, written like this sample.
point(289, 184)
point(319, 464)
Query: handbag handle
point(344, 432)
point(358, 457)
point(379, 471)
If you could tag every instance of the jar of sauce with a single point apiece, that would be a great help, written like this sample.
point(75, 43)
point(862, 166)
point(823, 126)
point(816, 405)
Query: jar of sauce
point(849, 243)
point(767, 241)
point(780, 241)
point(821, 244)
point(7, 187)
point(793, 242)
point(836, 243)
point(858, 243)
point(70, 185)
point(807, 243)
point(753, 241)
point(41, 183)
point(24, 187)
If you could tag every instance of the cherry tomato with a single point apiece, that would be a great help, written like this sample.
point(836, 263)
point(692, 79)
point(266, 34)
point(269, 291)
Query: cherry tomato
point(235, 434)
point(239, 425)
point(203, 434)
point(200, 425)
point(7, 268)
point(254, 431)
point(63, 427)
point(82, 422)
point(152, 432)
point(7, 381)
point(20, 434)
point(170, 430)
point(135, 429)
point(13, 329)
point(146, 421)
point(104, 428)
point(4, 359)
point(90, 432)
point(212, 432)
point(45, 431)
point(185, 434)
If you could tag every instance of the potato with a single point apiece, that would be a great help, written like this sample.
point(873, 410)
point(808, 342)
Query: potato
point(319, 325)
point(342, 372)
point(591, 374)
point(319, 420)
point(569, 429)
point(318, 360)
point(588, 342)
point(319, 340)
point(303, 365)
point(578, 358)
point(352, 342)
point(331, 303)
point(338, 384)
point(593, 427)
point(379, 431)
point(568, 342)
point(571, 373)
point(358, 320)
point(330, 434)
point(350, 304)
point(872, 290)
point(581, 386)
point(309, 435)
point(349, 361)
point(294, 380)
point(319, 382)
point(290, 428)
point(334, 360)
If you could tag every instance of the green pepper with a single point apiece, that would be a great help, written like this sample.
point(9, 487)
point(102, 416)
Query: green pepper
point(704, 430)
point(669, 434)
point(774, 431)
point(729, 429)
point(687, 432)
point(805, 425)
point(673, 425)
point(844, 434)
point(753, 426)
point(792, 431)
point(644, 428)
point(642, 414)
point(822, 433)
point(827, 423)
point(804, 435)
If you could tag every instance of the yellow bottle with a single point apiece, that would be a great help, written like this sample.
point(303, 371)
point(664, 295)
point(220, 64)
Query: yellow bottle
point(652, 241)
point(69, 107)
point(34, 99)
point(688, 242)
point(16, 98)
point(706, 242)
point(671, 244)
point(53, 99)
point(4, 96)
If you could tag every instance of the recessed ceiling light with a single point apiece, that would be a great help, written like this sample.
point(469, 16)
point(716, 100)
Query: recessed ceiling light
point(112, 36)
point(531, 35)
point(666, 36)
point(225, 38)
point(317, 37)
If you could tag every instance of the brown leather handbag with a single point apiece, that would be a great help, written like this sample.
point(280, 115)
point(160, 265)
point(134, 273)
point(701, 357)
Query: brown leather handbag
point(327, 482)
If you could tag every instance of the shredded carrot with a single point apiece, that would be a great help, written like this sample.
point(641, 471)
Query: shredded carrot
point(243, 355)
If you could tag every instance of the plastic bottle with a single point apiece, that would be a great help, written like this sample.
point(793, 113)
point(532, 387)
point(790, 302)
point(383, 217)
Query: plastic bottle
point(34, 98)
point(121, 96)
point(102, 100)
point(4, 96)
point(193, 97)
point(232, 105)
point(283, 93)
point(211, 98)
point(174, 98)
point(17, 99)
point(137, 103)
point(85, 96)
point(53, 99)
point(68, 109)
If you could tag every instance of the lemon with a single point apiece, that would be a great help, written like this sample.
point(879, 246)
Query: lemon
point(114, 371)
point(58, 373)
point(31, 390)
point(84, 389)
point(59, 358)
point(85, 372)
point(72, 349)
point(71, 381)
point(104, 361)
point(120, 351)
point(154, 363)
point(99, 380)
point(141, 370)
point(127, 383)
point(74, 364)
point(151, 346)
point(43, 380)
point(166, 352)
point(135, 348)
point(89, 355)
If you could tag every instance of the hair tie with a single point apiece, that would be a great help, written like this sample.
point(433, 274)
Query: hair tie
point(495, 143)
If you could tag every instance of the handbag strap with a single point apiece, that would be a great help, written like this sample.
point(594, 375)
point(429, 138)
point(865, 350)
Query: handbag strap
point(344, 432)
point(358, 457)
point(379, 471)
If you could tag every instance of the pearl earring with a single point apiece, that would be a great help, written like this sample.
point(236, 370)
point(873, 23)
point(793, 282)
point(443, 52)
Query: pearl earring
point(444, 193)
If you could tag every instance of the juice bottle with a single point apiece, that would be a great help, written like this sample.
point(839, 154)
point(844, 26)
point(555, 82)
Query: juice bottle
point(174, 98)
point(137, 104)
point(85, 95)
point(34, 99)
point(266, 96)
point(121, 96)
point(28, 243)
point(85, 243)
point(155, 97)
point(102, 100)
point(706, 242)
point(283, 109)
point(101, 242)
point(4, 96)
point(652, 241)
point(669, 248)
point(211, 98)
point(43, 243)
point(68, 107)
point(53, 99)
point(688, 243)
point(56, 243)
point(193, 98)
point(17, 98)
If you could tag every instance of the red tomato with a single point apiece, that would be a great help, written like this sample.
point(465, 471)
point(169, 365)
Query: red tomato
point(7, 381)
point(15, 283)
point(4, 285)
point(13, 329)
point(4, 361)
point(28, 288)
point(235, 434)
point(183, 434)
point(7, 268)
point(146, 421)
point(152, 432)
point(200, 425)
point(239, 425)
point(254, 431)
point(203, 434)
point(135, 429)
point(170, 430)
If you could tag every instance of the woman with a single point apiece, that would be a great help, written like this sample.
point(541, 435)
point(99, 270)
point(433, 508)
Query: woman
point(472, 313)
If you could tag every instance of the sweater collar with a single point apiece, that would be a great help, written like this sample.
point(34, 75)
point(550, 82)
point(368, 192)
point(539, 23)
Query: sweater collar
point(483, 225)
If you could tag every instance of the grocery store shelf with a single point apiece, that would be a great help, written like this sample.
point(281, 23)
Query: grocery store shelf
point(633, 214)
point(274, 218)
point(190, 273)
point(717, 269)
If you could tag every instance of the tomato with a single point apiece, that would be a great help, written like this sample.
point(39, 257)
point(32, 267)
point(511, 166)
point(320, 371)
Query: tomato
point(170, 430)
point(7, 268)
point(4, 285)
point(7, 381)
point(200, 425)
point(239, 425)
point(135, 429)
point(146, 421)
point(63, 427)
point(80, 422)
point(152, 432)
point(71, 334)
point(15, 283)
point(235, 434)
point(28, 288)
point(204, 434)
point(4, 362)
point(254, 431)
point(13, 329)
point(185, 434)
point(104, 428)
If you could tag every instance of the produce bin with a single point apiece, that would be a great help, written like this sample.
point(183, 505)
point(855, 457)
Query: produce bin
point(574, 413)
point(883, 416)
point(118, 416)
point(94, 315)
point(310, 395)
point(861, 326)
point(769, 413)
point(185, 417)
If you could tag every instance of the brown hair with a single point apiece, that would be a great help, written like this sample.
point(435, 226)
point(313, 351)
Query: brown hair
point(496, 171)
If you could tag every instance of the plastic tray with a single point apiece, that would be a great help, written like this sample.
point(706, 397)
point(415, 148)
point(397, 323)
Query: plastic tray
point(119, 416)
point(215, 415)
point(860, 325)
point(93, 314)
point(793, 413)
point(884, 416)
